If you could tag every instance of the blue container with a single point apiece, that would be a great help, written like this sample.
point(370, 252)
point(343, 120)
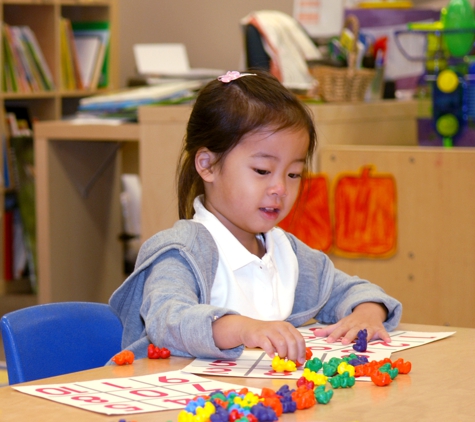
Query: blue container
point(471, 91)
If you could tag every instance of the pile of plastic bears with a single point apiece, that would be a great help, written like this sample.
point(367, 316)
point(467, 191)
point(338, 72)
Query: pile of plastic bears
point(246, 406)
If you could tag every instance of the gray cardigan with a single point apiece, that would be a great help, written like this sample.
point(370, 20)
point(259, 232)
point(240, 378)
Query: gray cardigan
point(166, 300)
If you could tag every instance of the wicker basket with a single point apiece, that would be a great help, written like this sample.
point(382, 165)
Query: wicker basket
point(344, 84)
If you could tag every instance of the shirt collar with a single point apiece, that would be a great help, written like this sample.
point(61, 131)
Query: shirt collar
point(235, 253)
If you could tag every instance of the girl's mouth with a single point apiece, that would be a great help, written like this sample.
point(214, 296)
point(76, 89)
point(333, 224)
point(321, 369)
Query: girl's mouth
point(270, 212)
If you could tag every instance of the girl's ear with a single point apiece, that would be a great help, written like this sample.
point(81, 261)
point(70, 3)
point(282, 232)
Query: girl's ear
point(204, 160)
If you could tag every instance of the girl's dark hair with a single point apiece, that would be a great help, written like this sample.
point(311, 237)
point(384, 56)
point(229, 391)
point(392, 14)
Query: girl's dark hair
point(224, 113)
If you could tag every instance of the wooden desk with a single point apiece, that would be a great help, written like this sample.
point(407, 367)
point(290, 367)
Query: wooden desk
point(439, 388)
point(78, 212)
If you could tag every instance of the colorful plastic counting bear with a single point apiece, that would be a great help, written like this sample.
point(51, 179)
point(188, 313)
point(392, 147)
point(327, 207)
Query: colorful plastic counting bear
point(361, 341)
point(282, 365)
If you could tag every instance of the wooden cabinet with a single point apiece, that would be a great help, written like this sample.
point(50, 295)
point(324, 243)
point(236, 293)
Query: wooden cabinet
point(44, 17)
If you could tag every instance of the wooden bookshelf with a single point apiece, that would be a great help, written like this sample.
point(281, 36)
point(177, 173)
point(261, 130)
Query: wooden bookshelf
point(43, 17)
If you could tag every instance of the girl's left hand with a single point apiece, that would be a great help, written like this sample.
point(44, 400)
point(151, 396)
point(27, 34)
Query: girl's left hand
point(367, 315)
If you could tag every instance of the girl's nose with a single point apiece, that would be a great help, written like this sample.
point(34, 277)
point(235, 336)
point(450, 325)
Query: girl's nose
point(279, 189)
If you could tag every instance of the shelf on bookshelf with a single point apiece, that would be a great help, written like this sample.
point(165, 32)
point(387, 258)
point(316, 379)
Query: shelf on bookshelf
point(43, 17)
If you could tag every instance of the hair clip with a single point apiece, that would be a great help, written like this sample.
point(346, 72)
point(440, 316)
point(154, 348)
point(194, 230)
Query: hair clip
point(232, 75)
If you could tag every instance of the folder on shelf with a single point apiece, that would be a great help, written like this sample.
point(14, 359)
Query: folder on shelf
point(99, 29)
point(90, 53)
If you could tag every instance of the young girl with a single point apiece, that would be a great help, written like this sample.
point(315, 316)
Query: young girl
point(225, 277)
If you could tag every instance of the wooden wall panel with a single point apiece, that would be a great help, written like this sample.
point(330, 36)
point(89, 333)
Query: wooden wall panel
point(433, 271)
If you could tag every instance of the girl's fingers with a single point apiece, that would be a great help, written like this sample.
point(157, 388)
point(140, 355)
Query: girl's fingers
point(325, 331)
point(268, 347)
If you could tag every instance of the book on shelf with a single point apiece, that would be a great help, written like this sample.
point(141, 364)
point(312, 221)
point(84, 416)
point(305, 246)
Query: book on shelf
point(8, 243)
point(24, 65)
point(34, 48)
point(24, 217)
point(17, 123)
point(19, 81)
point(69, 76)
point(7, 176)
point(20, 197)
point(74, 55)
point(99, 29)
point(15, 261)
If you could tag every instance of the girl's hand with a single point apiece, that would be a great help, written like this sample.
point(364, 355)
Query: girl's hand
point(272, 336)
point(367, 315)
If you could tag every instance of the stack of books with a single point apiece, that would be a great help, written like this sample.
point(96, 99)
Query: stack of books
point(124, 104)
point(25, 67)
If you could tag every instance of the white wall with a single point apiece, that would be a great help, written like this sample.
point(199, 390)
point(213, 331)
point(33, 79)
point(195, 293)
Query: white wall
point(209, 28)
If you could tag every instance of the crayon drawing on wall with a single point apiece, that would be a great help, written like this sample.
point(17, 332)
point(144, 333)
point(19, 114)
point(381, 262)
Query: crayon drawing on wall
point(309, 219)
point(357, 220)
point(365, 214)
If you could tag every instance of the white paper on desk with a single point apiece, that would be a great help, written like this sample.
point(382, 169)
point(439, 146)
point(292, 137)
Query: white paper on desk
point(141, 394)
point(168, 59)
point(256, 364)
point(400, 339)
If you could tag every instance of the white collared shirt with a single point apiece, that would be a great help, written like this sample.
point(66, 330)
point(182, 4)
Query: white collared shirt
point(264, 288)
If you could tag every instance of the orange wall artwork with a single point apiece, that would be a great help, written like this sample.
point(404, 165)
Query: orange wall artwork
point(365, 214)
point(309, 219)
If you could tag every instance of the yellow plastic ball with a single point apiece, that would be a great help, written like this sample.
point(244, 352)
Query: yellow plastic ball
point(447, 81)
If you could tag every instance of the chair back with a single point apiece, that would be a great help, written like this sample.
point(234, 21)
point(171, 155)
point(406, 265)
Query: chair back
point(58, 338)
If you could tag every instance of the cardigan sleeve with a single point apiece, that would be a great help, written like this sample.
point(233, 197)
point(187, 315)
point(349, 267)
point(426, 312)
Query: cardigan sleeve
point(176, 315)
point(328, 294)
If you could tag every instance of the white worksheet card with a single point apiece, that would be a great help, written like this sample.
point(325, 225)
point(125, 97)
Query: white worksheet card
point(119, 396)
point(256, 364)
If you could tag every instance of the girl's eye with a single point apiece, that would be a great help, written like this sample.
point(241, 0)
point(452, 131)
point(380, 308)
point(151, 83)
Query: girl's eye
point(295, 175)
point(262, 172)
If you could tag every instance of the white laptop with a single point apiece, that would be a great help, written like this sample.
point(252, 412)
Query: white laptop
point(168, 60)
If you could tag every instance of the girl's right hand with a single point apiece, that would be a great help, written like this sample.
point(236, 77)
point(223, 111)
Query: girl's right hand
point(272, 336)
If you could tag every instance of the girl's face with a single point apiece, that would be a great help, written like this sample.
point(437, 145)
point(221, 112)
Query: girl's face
point(257, 183)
